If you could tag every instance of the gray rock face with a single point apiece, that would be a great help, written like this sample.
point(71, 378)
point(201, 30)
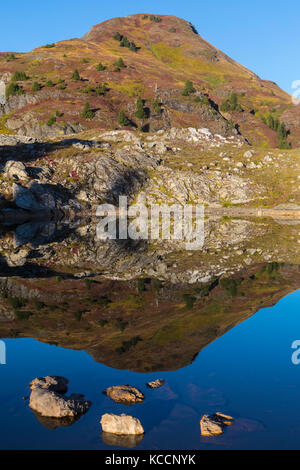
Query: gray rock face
point(121, 424)
point(124, 394)
point(47, 398)
point(213, 425)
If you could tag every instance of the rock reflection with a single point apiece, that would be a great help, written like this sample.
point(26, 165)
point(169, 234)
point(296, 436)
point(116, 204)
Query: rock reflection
point(129, 441)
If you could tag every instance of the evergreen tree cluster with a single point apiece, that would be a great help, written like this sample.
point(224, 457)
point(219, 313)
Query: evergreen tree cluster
point(156, 19)
point(231, 104)
point(14, 89)
point(124, 42)
point(19, 77)
point(100, 67)
point(140, 110)
point(87, 112)
point(188, 88)
point(279, 127)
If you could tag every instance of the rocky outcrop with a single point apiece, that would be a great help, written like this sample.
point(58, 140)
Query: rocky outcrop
point(213, 425)
point(125, 394)
point(121, 424)
point(47, 398)
point(156, 383)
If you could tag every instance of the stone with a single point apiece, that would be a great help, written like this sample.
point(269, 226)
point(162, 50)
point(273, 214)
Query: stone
point(24, 198)
point(52, 383)
point(124, 394)
point(249, 154)
point(15, 169)
point(156, 383)
point(47, 398)
point(121, 424)
point(213, 425)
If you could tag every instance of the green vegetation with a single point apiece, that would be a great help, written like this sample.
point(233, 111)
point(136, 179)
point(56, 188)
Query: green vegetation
point(36, 86)
point(100, 67)
point(156, 19)
point(75, 75)
point(102, 322)
point(10, 57)
point(188, 88)
point(39, 305)
point(119, 63)
point(61, 84)
point(157, 106)
point(103, 301)
point(17, 302)
point(140, 110)
point(87, 112)
point(51, 121)
point(124, 42)
point(141, 285)
point(19, 77)
point(121, 325)
point(78, 314)
point(23, 315)
point(231, 104)
point(49, 84)
point(126, 345)
point(88, 283)
point(50, 46)
point(205, 101)
point(117, 36)
point(231, 285)
point(14, 89)
point(123, 119)
point(101, 89)
point(189, 300)
point(172, 30)
point(279, 127)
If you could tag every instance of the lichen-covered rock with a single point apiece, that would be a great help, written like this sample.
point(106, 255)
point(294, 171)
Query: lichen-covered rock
point(124, 394)
point(121, 424)
point(15, 169)
point(52, 383)
point(156, 383)
point(213, 425)
point(47, 398)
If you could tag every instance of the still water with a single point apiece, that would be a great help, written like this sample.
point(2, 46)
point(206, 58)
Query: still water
point(247, 373)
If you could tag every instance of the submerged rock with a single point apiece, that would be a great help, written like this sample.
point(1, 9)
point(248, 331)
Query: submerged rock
point(156, 383)
point(121, 424)
point(125, 394)
point(47, 398)
point(213, 425)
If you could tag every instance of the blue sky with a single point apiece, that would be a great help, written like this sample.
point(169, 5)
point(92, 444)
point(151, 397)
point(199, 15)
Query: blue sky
point(263, 35)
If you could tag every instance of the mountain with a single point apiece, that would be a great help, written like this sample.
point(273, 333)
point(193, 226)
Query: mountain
point(159, 53)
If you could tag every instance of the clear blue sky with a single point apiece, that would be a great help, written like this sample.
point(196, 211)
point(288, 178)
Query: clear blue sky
point(263, 35)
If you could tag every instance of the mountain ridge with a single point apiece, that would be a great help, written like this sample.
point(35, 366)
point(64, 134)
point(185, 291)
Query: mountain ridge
point(162, 53)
